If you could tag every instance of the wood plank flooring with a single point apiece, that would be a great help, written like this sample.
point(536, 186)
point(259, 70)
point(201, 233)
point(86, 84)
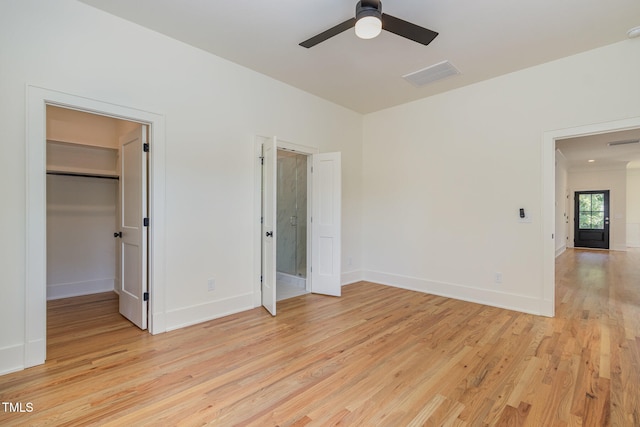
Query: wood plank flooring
point(378, 356)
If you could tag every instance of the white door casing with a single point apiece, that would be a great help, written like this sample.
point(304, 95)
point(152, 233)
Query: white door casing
point(324, 232)
point(133, 241)
point(269, 221)
point(326, 224)
point(34, 347)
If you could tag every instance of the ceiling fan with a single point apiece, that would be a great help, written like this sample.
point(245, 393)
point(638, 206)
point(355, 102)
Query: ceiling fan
point(370, 21)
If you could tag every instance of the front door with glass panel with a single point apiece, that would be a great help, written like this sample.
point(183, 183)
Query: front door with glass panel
point(591, 219)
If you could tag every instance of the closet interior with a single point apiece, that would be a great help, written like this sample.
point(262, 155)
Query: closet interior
point(82, 201)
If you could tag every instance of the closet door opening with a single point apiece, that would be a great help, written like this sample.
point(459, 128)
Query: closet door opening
point(84, 202)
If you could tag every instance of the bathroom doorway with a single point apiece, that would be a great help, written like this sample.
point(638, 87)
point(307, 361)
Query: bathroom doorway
point(291, 240)
point(323, 221)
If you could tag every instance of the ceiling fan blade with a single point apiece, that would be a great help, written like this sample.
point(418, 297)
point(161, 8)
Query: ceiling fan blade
point(334, 31)
point(407, 29)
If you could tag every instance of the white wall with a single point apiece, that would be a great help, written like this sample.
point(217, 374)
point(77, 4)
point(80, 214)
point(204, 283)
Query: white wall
point(561, 204)
point(633, 208)
point(213, 109)
point(614, 180)
point(444, 176)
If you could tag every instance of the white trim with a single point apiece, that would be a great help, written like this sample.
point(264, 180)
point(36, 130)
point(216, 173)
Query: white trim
point(35, 287)
point(297, 148)
point(87, 287)
point(12, 358)
point(548, 196)
point(192, 315)
point(504, 300)
point(560, 250)
point(257, 206)
point(257, 224)
point(350, 277)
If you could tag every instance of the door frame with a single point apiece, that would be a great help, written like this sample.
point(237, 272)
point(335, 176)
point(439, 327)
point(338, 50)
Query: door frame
point(36, 252)
point(257, 243)
point(547, 305)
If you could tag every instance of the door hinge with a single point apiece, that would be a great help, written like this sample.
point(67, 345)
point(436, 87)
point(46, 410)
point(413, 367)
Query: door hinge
point(260, 279)
point(262, 160)
point(145, 296)
point(145, 147)
point(145, 222)
point(261, 220)
point(311, 169)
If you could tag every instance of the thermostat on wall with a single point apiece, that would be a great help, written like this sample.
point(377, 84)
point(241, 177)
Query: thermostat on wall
point(524, 215)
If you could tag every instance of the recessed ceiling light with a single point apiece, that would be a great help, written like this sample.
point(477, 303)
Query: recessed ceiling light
point(634, 32)
point(590, 160)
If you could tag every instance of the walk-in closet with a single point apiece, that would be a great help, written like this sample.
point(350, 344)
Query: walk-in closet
point(82, 200)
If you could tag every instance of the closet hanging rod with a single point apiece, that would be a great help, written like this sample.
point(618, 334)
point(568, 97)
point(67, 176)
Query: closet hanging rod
point(84, 175)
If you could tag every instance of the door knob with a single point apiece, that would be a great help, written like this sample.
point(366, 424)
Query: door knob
point(118, 234)
point(269, 234)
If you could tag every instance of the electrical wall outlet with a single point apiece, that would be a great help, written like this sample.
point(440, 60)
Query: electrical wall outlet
point(211, 285)
point(498, 277)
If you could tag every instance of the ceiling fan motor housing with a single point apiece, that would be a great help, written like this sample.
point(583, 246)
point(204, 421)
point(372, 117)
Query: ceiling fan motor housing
point(368, 8)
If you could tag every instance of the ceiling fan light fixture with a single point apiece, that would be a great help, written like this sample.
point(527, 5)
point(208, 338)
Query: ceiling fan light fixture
point(368, 27)
point(634, 32)
point(368, 18)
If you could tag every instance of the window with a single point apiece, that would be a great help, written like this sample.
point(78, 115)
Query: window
point(591, 211)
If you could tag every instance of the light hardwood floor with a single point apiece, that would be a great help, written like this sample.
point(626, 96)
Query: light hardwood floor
point(378, 356)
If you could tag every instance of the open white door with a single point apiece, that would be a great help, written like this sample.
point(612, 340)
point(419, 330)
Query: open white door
point(326, 224)
point(269, 221)
point(133, 211)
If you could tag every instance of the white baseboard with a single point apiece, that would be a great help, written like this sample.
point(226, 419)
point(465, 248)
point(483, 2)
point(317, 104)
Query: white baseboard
point(11, 359)
point(560, 250)
point(67, 290)
point(187, 316)
point(465, 293)
point(35, 352)
point(350, 277)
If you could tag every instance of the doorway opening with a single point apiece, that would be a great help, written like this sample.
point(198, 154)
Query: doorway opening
point(591, 219)
point(316, 250)
point(96, 201)
point(291, 240)
point(554, 188)
point(38, 100)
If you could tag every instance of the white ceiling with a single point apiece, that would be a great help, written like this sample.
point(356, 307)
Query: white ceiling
point(483, 39)
point(578, 151)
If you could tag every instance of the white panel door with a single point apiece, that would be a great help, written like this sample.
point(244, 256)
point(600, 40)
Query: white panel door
point(269, 221)
point(133, 210)
point(326, 224)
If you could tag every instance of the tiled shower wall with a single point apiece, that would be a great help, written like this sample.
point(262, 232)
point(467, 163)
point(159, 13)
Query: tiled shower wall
point(292, 214)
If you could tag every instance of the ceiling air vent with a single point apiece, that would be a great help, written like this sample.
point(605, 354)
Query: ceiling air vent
point(431, 74)
point(625, 142)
